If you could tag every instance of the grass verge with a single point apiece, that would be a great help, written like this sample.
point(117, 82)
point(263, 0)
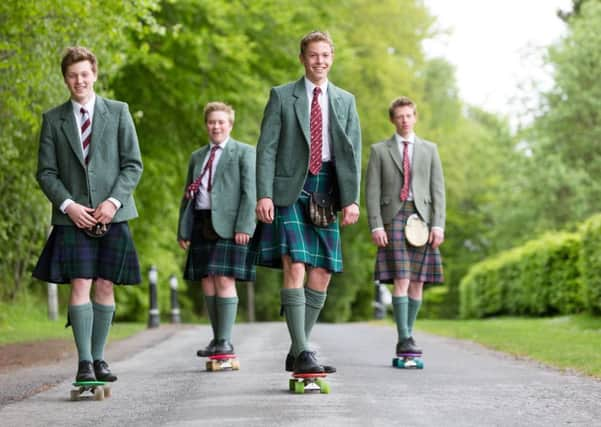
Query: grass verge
point(565, 342)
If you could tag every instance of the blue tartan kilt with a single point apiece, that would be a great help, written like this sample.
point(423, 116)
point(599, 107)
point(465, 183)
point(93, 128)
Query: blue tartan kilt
point(292, 233)
point(400, 260)
point(71, 254)
point(221, 257)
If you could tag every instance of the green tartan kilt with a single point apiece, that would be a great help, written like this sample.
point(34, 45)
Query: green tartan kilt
point(71, 254)
point(292, 233)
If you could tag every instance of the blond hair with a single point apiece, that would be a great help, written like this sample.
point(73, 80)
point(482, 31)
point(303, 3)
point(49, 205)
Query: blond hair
point(219, 106)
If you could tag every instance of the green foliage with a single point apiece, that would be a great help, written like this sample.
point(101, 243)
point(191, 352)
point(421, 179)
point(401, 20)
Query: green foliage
point(435, 304)
point(539, 278)
point(591, 262)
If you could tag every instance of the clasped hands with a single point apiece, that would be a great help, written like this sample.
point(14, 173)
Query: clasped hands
point(85, 217)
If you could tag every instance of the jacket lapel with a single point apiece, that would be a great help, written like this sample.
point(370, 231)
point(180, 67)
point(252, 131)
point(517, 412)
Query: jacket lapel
point(69, 127)
point(418, 152)
point(201, 156)
point(301, 108)
point(98, 124)
point(226, 156)
point(393, 149)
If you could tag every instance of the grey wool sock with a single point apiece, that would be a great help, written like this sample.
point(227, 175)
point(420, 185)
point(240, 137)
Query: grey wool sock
point(293, 303)
point(103, 317)
point(82, 319)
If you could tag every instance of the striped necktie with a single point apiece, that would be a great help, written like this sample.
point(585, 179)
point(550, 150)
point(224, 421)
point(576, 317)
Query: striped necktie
point(316, 133)
point(86, 134)
point(406, 172)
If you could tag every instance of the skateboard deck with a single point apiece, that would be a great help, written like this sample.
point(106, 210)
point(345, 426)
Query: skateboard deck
point(300, 383)
point(220, 362)
point(99, 390)
point(408, 361)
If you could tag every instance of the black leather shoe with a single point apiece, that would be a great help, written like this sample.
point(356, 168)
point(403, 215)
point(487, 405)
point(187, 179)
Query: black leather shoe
point(223, 347)
point(85, 371)
point(290, 365)
point(208, 350)
point(306, 363)
point(103, 373)
point(405, 346)
point(417, 349)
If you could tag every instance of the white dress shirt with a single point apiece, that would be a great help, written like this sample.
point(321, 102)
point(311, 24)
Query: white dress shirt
point(325, 116)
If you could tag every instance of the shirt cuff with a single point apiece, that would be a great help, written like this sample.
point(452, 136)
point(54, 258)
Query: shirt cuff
point(63, 207)
point(438, 228)
point(115, 202)
point(377, 229)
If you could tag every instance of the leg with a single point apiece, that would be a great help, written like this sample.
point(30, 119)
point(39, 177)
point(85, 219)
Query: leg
point(415, 302)
point(293, 303)
point(209, 291)
point(104, 309)
point(315, 296)
point(400, 310)
point(226, 303)
point(81, 316)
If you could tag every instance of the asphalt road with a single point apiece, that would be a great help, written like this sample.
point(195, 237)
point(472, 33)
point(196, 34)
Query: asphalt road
point(162, 382)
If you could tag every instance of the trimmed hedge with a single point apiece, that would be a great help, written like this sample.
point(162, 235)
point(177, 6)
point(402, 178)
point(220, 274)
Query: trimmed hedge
point(542, 277)
point(591, 263)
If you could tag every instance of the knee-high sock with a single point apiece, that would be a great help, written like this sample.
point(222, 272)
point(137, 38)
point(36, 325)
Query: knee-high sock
point(226, 316)
point(314, 302)
point(400, 311)
point(212, 310)
point(82, 319)
point(103, 317)
point(293, 303)
point(414, 305)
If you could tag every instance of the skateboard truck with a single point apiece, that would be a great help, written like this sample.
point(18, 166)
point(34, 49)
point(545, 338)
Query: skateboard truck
point(408, 361)
point(300, 383)
point(220, 362)
point(99, 389)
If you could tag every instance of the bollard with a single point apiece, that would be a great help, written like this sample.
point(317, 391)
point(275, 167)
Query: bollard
point(174, 303)
point(379, 306)
point(153, 309)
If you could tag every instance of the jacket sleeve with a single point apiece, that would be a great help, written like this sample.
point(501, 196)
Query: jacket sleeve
point(246, 219)
point(373, 190)
point(267, 146)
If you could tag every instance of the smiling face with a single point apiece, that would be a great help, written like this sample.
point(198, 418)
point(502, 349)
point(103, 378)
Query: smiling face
point(404, 119)
point(80, 78)
point(317, 60)
point(219, 126)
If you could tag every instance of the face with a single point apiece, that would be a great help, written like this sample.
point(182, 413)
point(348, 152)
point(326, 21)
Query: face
point(80, 79)
point(218, 126)
point(317, 60)
point(404, 120)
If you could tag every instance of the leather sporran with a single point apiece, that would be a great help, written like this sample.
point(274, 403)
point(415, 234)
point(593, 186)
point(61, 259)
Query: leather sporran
point(97, 230)
point(207, 231)
point(416, 231)
point(321, 209)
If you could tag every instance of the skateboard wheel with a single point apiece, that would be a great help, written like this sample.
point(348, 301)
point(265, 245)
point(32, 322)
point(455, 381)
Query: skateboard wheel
point(107, 392)
point(98, 393)
point(291, 383)
point(299, 387)
point(419, 364)
point(74, 395)
point(236, 365)
point(324, 387)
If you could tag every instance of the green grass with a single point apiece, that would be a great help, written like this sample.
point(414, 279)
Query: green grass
point(27, 320)
point(566, 342)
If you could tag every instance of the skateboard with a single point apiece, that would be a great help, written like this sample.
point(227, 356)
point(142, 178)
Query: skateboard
point(99, 390)
point(299, 383)
point(220, 362)
point(408, 361)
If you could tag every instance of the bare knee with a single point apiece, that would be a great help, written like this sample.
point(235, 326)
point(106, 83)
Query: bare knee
point(103, 292)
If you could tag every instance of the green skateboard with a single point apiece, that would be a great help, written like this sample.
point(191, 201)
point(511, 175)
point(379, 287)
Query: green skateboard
point(99, 389)
point(300, 383)
point(408, 361)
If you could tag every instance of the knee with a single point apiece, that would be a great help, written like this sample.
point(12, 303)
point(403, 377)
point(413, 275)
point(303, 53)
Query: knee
point(103, 289)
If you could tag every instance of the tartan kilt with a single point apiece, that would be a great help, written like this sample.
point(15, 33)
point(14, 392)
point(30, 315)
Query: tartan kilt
point(71, 254)
point(400, 260)
point(292, 233)
point(221, 257)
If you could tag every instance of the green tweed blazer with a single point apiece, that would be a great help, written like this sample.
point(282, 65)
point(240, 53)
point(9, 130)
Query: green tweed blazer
point(284, 144)
point(233, 194)
point(384, 181)
point(115, 163)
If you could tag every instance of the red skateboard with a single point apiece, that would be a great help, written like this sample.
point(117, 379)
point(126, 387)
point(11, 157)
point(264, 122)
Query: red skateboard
point(220, 362)
point(299, 383)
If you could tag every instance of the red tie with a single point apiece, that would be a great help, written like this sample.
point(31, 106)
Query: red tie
point(193, 188)
point(86, 134)
point(406, 172)
point(316, 133)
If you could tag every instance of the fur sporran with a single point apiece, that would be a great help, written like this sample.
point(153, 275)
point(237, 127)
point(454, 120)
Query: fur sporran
point(321, 209)
point(97, 230)
point(416, 231)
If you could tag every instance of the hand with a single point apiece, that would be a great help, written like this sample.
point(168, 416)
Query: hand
point(81, 215)
point(265, 210)
point(241, 238)
point(436, 237)
point(350, 214)
point(184, 244)
point(105, 212)
point(380, 238)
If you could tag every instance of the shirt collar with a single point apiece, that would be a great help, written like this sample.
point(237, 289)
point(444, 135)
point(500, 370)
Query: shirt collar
point(222, 145)
point(89, 106)
point(310, 86)
point(400, 139)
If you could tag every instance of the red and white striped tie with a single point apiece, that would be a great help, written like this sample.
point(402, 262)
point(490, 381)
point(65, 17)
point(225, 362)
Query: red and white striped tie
point(86, 134)
point(316, 133)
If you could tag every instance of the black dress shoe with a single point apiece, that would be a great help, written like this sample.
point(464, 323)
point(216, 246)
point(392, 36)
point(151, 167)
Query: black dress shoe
point(417, 349)
point(405, 346)
point(85, 371)
point(208, 350)
point(223, 347)
point(103, 373)
point(306, 363)
point(290, 365)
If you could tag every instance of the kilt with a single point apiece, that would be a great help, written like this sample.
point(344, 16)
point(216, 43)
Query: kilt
point(400, 260)
point(221, 257)
point(292, 233)
point(71, 254)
